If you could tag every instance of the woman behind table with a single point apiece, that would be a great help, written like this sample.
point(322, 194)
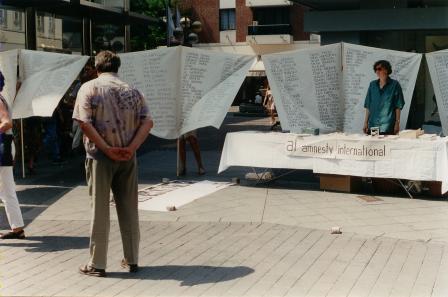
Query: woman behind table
point(384, 101)
point(7, 186)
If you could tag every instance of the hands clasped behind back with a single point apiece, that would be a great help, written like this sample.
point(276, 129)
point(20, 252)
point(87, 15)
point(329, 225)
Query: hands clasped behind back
point(120, 153)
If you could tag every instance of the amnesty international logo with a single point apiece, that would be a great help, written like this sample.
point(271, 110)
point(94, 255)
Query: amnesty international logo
point(337, 148)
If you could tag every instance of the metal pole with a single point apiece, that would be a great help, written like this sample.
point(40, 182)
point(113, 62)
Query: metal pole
point(87, 36)
point(168, 44)
point(30, 29)
point(168, 41)
point(178, 159)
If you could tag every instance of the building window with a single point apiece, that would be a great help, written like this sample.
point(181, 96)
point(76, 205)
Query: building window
point(40, 24)
point(17, 20)
point(3, 18)
point(51, 26)
point(109, 3)
point(227, 19)
point(272, 15)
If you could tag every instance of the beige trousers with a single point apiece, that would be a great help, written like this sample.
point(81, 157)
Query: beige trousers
point(120, 177)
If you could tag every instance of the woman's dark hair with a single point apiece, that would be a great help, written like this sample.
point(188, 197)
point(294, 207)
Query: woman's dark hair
point(107, 61)
point(383, 63)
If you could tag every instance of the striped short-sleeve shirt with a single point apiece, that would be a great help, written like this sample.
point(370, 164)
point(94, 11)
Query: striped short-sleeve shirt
point(114, 109)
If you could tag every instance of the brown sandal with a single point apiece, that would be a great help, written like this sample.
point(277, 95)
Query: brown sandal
point(13, 235)
point(92, 271)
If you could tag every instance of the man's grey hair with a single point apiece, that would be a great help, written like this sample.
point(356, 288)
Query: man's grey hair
point(107, 61)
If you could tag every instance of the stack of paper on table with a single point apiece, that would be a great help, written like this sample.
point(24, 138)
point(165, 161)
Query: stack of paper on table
point(411, 133)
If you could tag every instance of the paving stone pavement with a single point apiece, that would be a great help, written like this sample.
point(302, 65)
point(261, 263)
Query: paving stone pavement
point(244, 240)
point(225, 259)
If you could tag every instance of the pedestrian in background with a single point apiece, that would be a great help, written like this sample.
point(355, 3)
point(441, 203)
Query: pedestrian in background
point(192, 138)
point(116, 121)
point(87, 74)
point(7, 185)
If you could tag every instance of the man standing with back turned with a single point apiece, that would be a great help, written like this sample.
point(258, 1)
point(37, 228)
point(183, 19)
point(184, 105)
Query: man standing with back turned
point(115, 120)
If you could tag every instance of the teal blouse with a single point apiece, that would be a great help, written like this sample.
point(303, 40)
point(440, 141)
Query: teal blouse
point(382, 104)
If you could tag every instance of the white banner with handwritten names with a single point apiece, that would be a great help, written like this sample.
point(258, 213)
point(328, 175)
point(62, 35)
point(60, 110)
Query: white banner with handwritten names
point(45, 78)
point(438, 69)
point(185, 88)
point(325, 87)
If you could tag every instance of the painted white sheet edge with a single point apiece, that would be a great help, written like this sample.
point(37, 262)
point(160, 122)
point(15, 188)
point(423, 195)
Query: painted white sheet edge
point(182, 196)
point(185, 113)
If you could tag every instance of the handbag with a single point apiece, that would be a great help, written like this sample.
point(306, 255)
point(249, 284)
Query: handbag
point(6, 158)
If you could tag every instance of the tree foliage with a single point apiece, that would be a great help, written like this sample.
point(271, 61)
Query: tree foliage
point(148, 37)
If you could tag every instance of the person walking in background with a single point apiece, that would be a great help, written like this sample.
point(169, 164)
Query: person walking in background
point(51, 139)
point(269, 105)
point(7, 185)
point(116, 121)
point(87, 74)
point(258, 99)
point(32, 134)
point(192, 138)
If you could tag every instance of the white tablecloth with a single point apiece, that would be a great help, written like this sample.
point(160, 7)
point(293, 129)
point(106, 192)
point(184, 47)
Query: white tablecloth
point(413, 159)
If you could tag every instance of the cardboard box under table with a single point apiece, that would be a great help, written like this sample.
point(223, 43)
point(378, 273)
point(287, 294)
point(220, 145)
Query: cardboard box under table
point(340, 183)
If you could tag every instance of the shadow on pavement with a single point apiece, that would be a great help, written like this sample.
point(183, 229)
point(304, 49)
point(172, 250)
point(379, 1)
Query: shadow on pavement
point(188, 275)
point(41, 195)
point(48, 244)
point(35, 200)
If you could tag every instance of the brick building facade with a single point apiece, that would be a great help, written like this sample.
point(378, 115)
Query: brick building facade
point(244, 18)
point(253, 27)
point(208, 12)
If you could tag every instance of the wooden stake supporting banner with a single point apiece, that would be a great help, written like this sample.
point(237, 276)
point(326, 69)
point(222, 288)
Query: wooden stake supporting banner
point(177, 158)
point(23, 148)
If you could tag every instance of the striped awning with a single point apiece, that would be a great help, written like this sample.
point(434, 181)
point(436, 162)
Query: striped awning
point(257, 70)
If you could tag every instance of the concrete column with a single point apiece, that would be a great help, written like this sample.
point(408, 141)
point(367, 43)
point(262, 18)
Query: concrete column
point(87, 36)
point(30, 28)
